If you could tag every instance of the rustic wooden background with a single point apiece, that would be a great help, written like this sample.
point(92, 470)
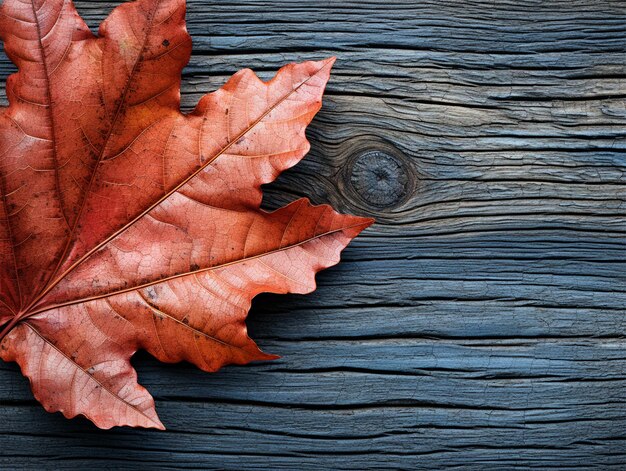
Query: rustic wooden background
point(481, 323)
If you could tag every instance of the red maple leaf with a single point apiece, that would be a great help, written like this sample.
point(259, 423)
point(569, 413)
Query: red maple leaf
point(126, 224)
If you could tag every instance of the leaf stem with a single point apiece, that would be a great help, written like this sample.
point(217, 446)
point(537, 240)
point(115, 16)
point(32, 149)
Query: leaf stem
point(9, 327)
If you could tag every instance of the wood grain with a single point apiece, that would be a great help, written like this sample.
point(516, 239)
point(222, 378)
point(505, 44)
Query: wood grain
point(480, 324)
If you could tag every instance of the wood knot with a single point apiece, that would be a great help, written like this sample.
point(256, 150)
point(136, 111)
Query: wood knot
point(380, 179)
point(378, 176)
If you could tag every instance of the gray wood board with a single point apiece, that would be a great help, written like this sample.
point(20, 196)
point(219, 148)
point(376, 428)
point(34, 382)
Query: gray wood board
point(480, 324)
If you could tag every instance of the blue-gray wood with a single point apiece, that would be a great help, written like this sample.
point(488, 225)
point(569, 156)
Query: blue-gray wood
point(481, 323)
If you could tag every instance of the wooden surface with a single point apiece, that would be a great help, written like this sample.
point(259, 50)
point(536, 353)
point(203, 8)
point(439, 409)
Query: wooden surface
point(481, 323)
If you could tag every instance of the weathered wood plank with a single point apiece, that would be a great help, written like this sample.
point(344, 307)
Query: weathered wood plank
point(480, 323)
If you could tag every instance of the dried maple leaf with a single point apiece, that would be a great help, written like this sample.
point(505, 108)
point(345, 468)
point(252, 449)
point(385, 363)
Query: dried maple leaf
point(125, 224)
